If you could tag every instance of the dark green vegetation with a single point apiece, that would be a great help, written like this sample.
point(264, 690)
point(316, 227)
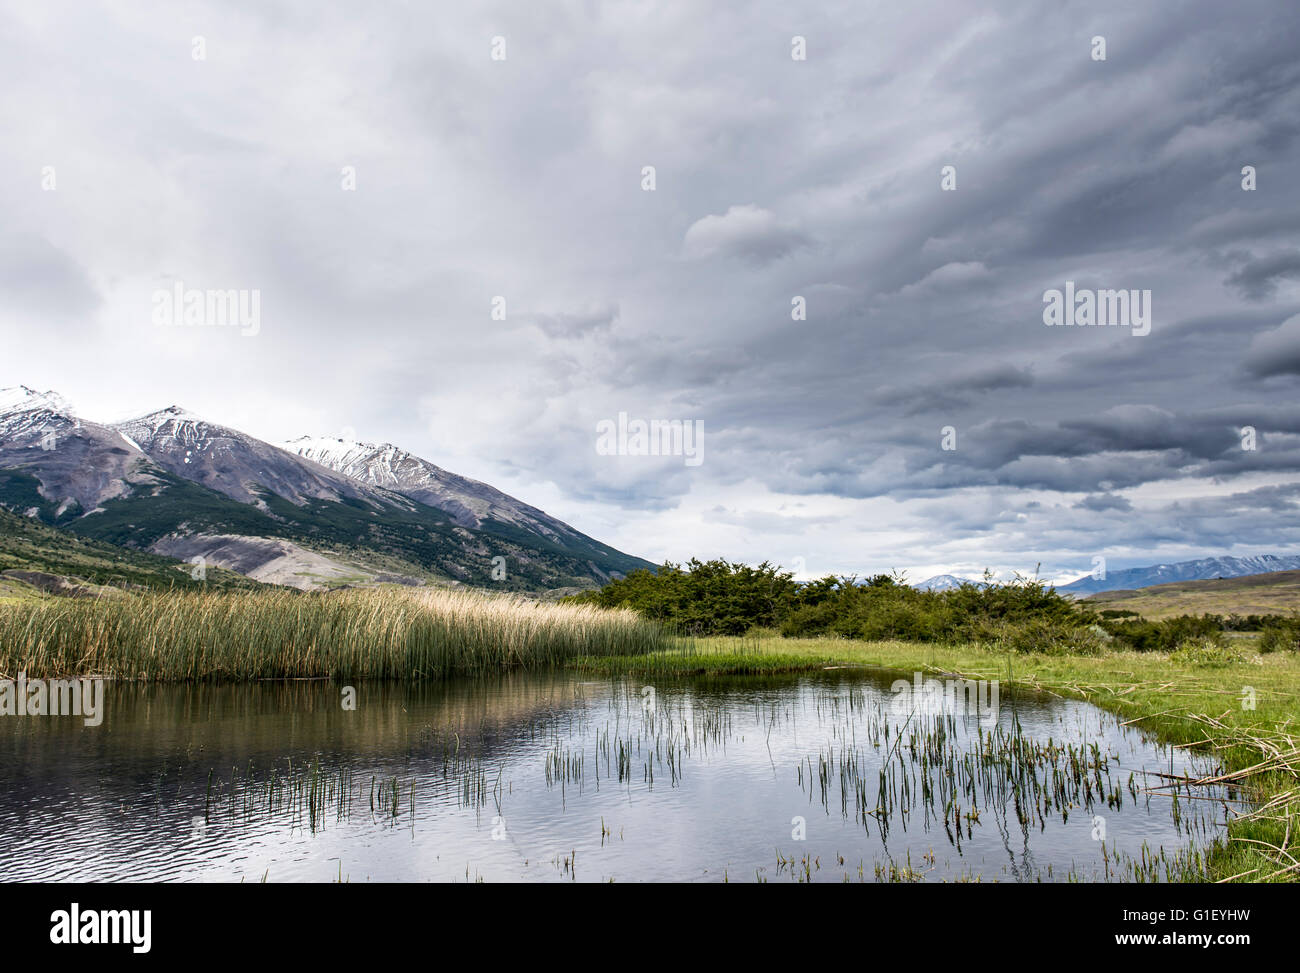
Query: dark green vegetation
point(707, 598)
point(419, 536)
point(1277, 632)
point(28, 547)
point(719, 598)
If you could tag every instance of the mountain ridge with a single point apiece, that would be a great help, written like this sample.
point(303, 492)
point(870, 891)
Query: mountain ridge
point(154, 480)
point(946, 582)
point(1198, 569)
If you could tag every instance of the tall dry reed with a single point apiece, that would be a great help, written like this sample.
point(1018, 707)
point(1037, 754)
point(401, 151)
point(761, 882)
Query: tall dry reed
point(363, 634)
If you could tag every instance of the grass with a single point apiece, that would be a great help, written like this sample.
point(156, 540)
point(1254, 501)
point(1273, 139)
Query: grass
point(1183, 701)
point(26, 545)
point(280, 634)
point(1277, 592)
point(1189, 698)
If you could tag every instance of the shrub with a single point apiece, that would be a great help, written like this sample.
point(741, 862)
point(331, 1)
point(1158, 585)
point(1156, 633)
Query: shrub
point(707, 598)
point(1206, 652)
point(1051, 637)
point(1163, 636)
point(719, 598)
point(1280, 638)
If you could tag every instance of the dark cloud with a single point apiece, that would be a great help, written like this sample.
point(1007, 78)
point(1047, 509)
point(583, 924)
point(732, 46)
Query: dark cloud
point(1258, 279)
point(1276, 352)
point(776, 180)
point(1104, 501)
point(573, 324)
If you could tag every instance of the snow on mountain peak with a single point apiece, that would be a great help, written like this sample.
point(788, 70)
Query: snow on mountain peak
point(469, 502)
point(333, 444)
point(175, 413)
point(173, 418)
point(20, 398)
point(945, 582)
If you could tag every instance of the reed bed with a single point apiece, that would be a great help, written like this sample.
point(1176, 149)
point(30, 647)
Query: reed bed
point(1270, 776)
point(361, 634)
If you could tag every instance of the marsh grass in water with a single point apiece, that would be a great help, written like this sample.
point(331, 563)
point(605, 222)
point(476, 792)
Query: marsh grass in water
point(372, 634)
point(524, 776)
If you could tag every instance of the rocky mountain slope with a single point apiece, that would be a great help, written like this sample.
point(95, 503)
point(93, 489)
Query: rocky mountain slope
point(172, 482)
point(235, 464)
point(469, 503)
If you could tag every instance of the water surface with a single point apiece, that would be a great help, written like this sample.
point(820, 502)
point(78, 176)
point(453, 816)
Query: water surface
point(559, 778)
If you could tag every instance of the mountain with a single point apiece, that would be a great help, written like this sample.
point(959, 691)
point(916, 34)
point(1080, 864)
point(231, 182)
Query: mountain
point(176, 484)
point(37, 559)
point(235, 464)
point(1275, 593)
point(469, 503)
point(945, 582)
point(82, 463)
point(1198, 570)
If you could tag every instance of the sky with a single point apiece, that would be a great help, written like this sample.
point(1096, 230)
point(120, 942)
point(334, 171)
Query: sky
point(380, 175)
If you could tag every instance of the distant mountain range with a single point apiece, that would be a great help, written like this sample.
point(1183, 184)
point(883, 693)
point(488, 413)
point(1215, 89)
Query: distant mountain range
point(945, 582)
point(312, 513)
point(1203, 569)
point(1198, 570)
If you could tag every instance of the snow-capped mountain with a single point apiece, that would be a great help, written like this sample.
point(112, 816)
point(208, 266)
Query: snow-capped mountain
point(29, 417)
point(78, 464)
point(171, 481)
point(470, 503)
point(234, 463)
point(945, 582)
point(1198, 570)
point(20, 400)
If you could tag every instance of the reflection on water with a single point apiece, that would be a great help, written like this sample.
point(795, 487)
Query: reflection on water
point(554, 777)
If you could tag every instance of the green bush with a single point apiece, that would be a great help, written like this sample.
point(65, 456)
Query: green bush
point(1051, 637)
point(720, 598)
point(1280, 638)
point(1207, 652)
point(707, 598)
point(1162, 636)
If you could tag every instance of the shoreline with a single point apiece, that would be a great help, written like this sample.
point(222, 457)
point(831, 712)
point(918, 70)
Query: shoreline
point(1174, 702)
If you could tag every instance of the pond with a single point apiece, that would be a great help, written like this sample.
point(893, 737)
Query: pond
point(840, 776)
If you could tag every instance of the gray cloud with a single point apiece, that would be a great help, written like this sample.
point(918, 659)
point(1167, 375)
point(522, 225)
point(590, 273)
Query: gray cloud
point(41, 279)
point(1258, 278)
point(1276, 352)
point(748, 232)
point(1104, 501)
point(775, 179)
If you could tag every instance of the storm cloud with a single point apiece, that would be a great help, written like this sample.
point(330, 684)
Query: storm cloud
point(457, 253)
